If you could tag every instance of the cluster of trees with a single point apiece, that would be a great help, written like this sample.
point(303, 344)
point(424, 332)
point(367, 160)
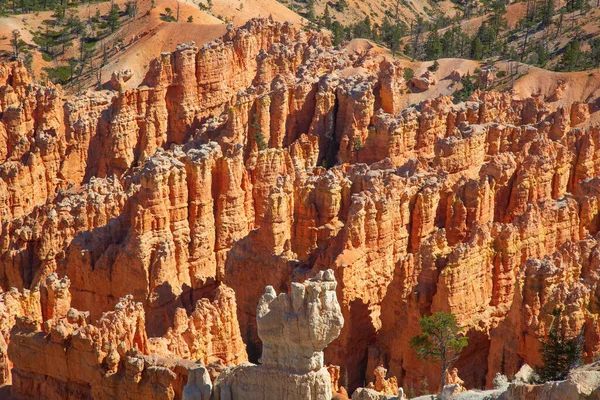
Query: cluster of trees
point(29, 6)
point(388, 33)
point(69, 42)
point(575, 58)
point(72, 43)
point(541, 27)
point(532, 41)
point(441, 340)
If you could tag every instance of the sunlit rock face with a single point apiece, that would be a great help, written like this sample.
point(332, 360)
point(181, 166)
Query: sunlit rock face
point(56, 352)
point(268, 156)
point(294, 330)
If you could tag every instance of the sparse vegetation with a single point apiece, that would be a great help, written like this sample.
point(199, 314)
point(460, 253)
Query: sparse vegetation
point(469, 85)
point(31, 6)
point(205, 7)
point(167, 16)
point(434, 67)
point(131, 9)
point(68, 41)
point(260, 141)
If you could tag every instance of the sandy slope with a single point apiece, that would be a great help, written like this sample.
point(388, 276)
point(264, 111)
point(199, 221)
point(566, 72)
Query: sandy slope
point(144, 37)
point(376, 10)
point(583, 86)
point(147, 35)
point(240, 11)
point(529, 81)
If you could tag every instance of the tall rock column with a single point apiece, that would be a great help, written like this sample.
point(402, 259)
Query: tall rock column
point(295, 329)
point(182, 95)
point(201, 165)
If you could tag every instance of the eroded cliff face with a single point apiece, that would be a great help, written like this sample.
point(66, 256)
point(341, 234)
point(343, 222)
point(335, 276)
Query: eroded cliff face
point(57, 352)
point(268, 156)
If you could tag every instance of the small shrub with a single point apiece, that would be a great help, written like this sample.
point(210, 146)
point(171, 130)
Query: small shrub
point(424, 386)
point(469, 83)
point(167, 16)
point(260, 141)
point(408, 74)
point(358, 144)
point(434, 67)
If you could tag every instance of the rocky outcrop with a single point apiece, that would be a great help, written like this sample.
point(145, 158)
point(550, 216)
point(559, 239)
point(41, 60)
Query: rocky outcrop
point(14, 305)
point(67, 357)
point(371, 394)
point(582, 383)
point(210, 334)
point(383, 385)
point(294, 330)
point(423, 82)
point(118, 79)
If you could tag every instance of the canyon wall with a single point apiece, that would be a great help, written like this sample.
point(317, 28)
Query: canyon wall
point(58, 354)
point(268, 156)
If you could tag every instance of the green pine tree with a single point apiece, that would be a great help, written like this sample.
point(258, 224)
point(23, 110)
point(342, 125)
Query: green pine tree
point(595, 52)
point(476, 49)
point(113, 18)
point(572, 56)
point(433, 46)
point(440, 340)
point(559, 353)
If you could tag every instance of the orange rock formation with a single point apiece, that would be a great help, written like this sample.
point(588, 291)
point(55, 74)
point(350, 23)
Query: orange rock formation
point(67, 357)
point(266, 156)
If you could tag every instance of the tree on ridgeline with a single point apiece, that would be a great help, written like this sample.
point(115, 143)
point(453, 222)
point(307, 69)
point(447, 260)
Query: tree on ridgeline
point(17, 43)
